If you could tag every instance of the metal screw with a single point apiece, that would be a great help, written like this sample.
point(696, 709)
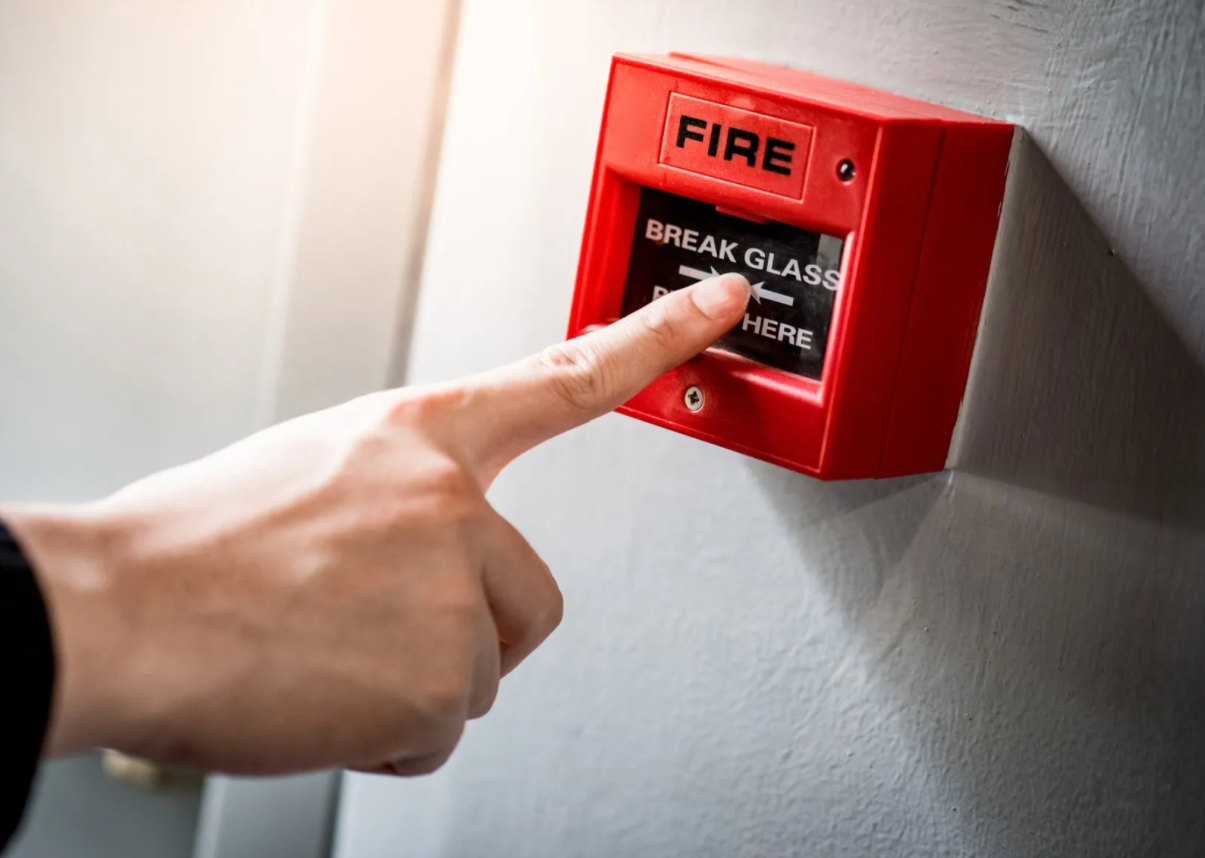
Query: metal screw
point(693, 398)
point(846, 171)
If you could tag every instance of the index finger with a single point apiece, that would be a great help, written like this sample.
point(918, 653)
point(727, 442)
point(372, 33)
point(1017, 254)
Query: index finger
point(519, 406)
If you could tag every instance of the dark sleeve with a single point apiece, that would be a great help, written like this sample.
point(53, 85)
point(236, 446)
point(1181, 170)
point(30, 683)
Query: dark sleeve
point(27, 679)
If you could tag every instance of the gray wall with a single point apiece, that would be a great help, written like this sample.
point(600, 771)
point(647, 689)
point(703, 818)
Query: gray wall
point(81, 812)
point(1003, 660)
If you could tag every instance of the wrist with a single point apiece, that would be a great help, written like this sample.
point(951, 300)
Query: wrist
point(73, 552)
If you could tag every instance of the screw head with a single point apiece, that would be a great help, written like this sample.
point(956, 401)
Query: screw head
point(846, 170)
point(693, 398)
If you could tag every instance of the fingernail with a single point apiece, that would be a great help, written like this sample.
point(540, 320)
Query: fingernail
point(722, 297)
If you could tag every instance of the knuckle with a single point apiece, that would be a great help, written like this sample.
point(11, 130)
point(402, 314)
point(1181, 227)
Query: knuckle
point(579, 375)
point(445, 478)
point(427, 765)
point(460, 606)
point(444, 704)
point(434, 753)
point(419, 406)
point(450, 496)
point(483, 700)
point(662, 327)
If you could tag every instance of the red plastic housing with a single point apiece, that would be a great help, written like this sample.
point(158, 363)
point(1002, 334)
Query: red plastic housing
point(918, 219)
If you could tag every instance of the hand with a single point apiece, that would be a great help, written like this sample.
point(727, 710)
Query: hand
point(335, 590)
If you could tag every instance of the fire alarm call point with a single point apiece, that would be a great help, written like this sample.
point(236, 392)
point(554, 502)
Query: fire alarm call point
point(865, 222)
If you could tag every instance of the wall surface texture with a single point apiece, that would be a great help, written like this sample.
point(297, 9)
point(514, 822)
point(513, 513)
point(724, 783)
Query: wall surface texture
point(1003, 660)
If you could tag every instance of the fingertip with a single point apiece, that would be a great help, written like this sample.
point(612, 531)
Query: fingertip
point(722, 297)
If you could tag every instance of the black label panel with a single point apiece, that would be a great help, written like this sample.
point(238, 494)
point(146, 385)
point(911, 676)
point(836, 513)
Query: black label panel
point(796, 275)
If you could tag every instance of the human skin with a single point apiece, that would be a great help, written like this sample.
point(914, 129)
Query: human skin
point(335, 590)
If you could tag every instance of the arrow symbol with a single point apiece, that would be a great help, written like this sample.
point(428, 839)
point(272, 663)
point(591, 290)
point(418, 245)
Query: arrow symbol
point(695, 273)
point(759, 292)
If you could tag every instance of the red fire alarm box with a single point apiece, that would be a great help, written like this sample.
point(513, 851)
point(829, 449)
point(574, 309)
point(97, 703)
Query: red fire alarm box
point(866, 222)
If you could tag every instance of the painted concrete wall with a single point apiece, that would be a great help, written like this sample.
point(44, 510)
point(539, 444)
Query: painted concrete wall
point(1006, 660)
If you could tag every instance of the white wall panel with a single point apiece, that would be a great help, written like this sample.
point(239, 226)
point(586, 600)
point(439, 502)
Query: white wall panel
point(211, 217)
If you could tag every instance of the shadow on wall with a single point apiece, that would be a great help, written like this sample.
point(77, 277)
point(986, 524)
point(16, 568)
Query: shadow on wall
point(1080, 388)
point(1038, 616)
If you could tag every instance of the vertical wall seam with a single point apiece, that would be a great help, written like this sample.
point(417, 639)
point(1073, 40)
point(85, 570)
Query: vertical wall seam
point(284, 274)
point(424, 202)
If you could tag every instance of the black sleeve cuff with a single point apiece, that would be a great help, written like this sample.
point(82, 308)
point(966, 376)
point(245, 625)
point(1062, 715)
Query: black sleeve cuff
point(27, 677)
